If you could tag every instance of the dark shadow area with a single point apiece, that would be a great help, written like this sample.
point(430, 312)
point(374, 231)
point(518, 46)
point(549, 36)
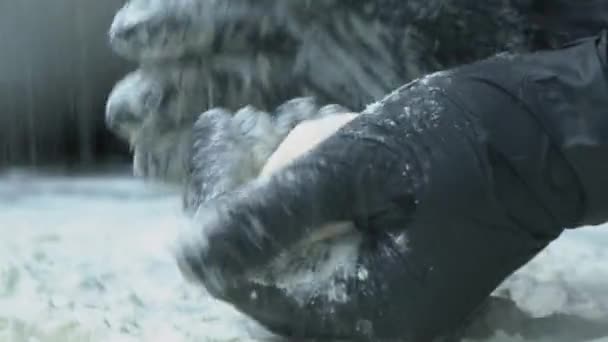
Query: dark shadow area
point(56, 70)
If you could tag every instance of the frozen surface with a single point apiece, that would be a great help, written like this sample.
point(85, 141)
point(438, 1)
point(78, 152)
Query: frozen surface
point(88, 259)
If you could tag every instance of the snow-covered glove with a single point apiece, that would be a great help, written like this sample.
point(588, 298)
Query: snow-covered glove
point(455, 180)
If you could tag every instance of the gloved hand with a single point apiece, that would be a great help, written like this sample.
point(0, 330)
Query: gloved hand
point(449, 201)
point(247, 245)
point(381, 171)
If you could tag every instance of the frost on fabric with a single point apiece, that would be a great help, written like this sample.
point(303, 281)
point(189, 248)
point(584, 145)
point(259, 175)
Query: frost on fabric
point(318, 269)
point(225, 146)
point(229, 149)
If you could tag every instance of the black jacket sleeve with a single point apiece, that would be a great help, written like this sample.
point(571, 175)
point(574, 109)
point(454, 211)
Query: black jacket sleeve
point(564, 94)
point(568, 20)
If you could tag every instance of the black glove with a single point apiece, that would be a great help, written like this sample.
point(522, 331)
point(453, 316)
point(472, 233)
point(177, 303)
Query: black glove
point(350, 177)
point(412, 175)
point(456, 180)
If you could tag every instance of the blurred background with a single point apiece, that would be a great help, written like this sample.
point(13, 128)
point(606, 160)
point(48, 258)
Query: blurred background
point(85, 249)
point(56, 70)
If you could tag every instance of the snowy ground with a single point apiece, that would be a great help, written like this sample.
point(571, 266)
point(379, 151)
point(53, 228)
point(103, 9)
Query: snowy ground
point(88, 259)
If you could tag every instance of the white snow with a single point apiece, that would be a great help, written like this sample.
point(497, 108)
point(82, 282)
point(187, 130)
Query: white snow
point(87, 258)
